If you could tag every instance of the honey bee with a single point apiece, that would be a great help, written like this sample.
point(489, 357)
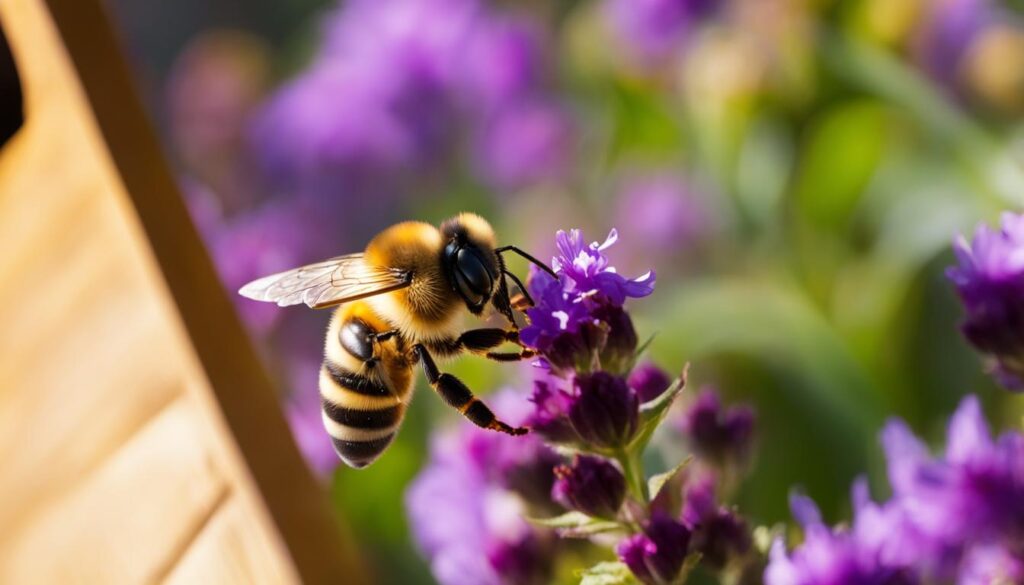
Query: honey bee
point(401, 301)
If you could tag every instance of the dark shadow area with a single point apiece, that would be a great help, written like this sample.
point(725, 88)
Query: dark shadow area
point(12, 112)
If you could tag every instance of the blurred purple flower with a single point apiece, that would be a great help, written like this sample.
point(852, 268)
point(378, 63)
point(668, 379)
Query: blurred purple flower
point(656, 555)
point(653, 29)
point(592, 485)
point(304, 417)
point(828, 557)
point(504, 63)
point(467, 508)
point(974, 494)
point(990, 280)
point(649, 381)
point(662, 215)
point(334, 124)
point(723, 436)
point(395, 87)
point(949, 29)
point(957, 518)
point(526, 142)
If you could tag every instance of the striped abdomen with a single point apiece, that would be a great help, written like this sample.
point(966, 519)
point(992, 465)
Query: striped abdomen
point(363, 386)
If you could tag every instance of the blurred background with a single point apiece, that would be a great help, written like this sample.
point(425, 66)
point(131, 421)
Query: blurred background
point(794, 170)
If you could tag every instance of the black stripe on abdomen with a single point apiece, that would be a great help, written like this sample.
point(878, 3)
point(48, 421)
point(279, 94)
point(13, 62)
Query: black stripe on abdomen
point(354, 382)
point(363, 419)
point(361, 453)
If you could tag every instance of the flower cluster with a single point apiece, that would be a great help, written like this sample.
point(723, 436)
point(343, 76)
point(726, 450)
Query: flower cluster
point(955, 518)
point(468, 508)
point(397, 88)
point(990, 280)
point(598, 411)
point(590, 397)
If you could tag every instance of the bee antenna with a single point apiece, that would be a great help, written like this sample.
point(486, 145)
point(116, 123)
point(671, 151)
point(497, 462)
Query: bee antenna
point(522, 288)
point(515, 249)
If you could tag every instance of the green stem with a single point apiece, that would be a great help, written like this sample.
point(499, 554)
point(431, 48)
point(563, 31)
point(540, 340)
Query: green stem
point(633, 469)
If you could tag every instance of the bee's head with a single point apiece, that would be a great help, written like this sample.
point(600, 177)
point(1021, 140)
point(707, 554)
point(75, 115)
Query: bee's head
point(470, 263)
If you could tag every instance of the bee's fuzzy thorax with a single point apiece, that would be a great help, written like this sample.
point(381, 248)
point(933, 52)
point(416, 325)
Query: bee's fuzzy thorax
point(426, 309)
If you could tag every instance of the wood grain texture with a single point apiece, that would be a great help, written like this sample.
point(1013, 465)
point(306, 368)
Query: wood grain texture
point(140, 438)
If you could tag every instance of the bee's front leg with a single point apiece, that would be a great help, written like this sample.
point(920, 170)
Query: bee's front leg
point(483, 341)
point(458, 396)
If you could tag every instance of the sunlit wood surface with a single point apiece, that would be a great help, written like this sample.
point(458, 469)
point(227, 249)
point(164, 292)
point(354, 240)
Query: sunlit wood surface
point(139, 440)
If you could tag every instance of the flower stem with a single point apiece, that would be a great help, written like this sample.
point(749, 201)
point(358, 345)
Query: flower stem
point(633, 469)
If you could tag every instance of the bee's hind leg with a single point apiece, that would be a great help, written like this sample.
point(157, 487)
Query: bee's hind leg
point(458, 396)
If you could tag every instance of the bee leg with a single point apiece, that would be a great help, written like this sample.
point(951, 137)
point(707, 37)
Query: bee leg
point(500, 300)
point(482, 341)
point(458, 396)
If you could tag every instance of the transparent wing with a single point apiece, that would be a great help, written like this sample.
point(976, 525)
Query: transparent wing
point(327, 283)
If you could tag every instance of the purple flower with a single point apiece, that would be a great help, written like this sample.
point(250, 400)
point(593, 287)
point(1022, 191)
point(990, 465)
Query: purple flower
point(656, 555)
point(397, 87)
point(653, 29)
point(990, 280)
point(974, 494)
point(303, 414)
point(604, 410)
point(561, 328)
point(524, 143)
point(957, 518)
point(719, 534)
point(589, 272)
point(724, 436)
point(649, 381)
point(828, 557)
point(662, 216)
point(467, 507)
point(578, 321)
point(950, 28)
point(550, 418)
point(592, 485)
point(505, 63)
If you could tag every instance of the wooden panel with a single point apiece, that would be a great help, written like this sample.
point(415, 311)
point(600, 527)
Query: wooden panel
point(140, 439)
point(156, 493)
point(227, 552)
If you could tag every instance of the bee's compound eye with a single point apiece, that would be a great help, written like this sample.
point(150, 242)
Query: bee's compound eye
point(472, 277)
point(355, 337)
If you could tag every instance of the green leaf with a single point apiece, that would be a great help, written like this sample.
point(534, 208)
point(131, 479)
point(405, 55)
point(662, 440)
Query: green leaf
point(607, 573)
point(656, 482)
point(567, 520)
point(577, 525)
point(653, 411)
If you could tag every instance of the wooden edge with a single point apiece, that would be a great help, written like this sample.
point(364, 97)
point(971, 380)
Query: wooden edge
point(294, 500)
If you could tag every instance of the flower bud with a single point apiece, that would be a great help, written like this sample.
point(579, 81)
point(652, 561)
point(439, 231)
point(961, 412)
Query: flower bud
point(619, 348)
point(656, 555)
point(649, 381)
point(604, 410)
point(723, 436)
point(592, 485)
point(718, 533)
